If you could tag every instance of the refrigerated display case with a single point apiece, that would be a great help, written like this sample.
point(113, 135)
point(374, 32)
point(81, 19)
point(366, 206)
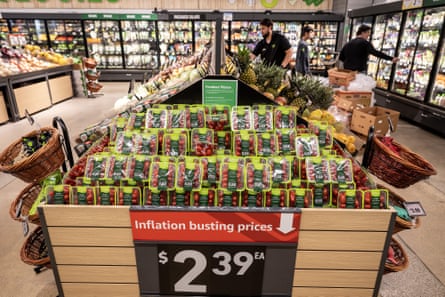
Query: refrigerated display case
point(66, 37)
point(438, 90)
point(408, 42)
point(203, 34)
point(175, 41)
point(140, 44)
point(244, 31)
point(104, 43)
point(323, 46)
point(28, 31)
point(415, 86)
point(425, 53)
point(4, 30)
point(244, 34)
point(384, 38)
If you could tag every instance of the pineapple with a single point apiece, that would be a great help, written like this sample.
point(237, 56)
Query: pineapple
point(247, 74)
point(269, 77)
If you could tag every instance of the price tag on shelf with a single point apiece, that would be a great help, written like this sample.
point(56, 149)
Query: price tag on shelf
point(414, 209)
point(209, 252)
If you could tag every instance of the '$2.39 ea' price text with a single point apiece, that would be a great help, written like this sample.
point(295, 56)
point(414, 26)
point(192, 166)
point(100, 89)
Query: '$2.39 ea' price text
point(211, 270)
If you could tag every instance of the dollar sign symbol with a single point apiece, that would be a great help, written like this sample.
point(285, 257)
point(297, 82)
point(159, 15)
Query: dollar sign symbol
point(163, 257)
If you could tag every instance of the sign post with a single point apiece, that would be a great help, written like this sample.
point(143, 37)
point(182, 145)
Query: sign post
point(205, 252)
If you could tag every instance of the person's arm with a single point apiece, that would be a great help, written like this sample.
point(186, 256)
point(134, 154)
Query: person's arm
point(287, 58)
point(379, 54)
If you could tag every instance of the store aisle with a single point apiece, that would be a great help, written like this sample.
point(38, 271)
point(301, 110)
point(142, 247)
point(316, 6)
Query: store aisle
point(424, 277)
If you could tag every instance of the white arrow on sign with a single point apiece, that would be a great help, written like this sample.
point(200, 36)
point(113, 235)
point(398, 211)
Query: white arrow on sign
point(286, 223)
point(292, 2)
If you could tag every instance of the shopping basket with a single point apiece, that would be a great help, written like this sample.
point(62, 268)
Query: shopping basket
point(397, 259)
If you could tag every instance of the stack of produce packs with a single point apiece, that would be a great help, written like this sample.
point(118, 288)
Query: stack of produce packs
point(216, 156)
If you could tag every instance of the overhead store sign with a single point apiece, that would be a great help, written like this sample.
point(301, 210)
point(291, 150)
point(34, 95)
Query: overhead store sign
point(410, 4)
point(113, 16)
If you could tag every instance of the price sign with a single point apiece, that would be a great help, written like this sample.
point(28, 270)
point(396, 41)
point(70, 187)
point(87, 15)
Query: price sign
point(208, 252)
point(208, 269)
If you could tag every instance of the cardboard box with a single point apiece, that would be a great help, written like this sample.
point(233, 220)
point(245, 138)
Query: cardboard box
point(378, 117)
point(341, 77)
point(350, 100)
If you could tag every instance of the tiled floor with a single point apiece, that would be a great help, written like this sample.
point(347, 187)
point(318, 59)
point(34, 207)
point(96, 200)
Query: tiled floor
point(425, 276)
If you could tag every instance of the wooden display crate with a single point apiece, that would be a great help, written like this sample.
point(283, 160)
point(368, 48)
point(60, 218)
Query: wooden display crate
point(33, 97)
point(3, 111)
point(61, 88)
point(340, 252)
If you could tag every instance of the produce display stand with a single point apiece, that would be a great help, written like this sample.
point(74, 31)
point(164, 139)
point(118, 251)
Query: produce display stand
point(340, 252)
point(38, 90)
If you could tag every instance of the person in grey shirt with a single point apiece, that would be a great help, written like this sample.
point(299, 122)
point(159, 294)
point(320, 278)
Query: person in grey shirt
point(302, 61)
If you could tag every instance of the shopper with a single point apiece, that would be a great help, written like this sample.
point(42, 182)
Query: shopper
point(355, 53)
point(302, 60)
point(274, 49)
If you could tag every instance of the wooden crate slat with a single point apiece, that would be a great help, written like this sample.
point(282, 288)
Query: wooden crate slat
point(341, 241)
point(89, 236)
point(338, 260)
point(98, 274)
point(95, 255)
point(346, 219)
point(100, 290)
point(331, 292)
point(335, 278)
point(87, 216)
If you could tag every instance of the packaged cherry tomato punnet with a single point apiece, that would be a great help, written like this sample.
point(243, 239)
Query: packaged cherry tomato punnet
point(263, 120)
point(241, 118)
point(285, 117)
point(202, 142)
point(83, 195)
point(107, 195)
point(266, 144)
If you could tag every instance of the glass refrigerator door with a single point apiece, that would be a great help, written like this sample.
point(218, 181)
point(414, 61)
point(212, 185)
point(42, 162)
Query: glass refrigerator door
point(356, 22)
point(203, 34)
point(245, 34)
point(66, 37)
point(378, 33)
point(140, 47)
point(438, 93)
point(322, 47)
point(104, 43)
point(425, 53)
point(4, 31)
point(28, 32)
point(175, 41)
point(388, 46)
point(408, 41)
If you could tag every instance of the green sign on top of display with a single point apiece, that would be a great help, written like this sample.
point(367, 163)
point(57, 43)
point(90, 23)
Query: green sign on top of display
point(223, 92)
point(113, 16)
point(433, 2)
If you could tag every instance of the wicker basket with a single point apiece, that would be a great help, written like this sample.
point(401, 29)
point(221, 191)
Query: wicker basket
point(399, 255)
point(401, 170)
point(401, 224)
point(89, 63)
point(93, 86)
point(92, 75)
point(34, 250)
point(26, 198)
point(37, 166)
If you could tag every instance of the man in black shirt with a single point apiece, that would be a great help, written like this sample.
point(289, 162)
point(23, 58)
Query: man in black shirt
point(274, 48)
point(354, 54)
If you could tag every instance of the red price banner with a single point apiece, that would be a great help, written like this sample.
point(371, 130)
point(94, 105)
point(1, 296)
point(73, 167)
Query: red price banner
point(161, 225)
